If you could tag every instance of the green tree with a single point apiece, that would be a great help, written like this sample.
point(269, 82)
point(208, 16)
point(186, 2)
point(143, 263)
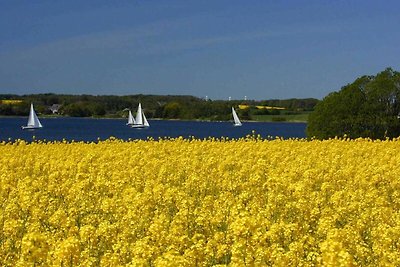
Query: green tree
point(79, 109)
point(172, 110)
point(368, 107)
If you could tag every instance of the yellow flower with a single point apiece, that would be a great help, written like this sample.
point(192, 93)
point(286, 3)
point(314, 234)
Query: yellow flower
point(210, 202)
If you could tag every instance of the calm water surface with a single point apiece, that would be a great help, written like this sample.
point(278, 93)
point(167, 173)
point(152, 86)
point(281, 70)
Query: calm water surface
point(88, 129)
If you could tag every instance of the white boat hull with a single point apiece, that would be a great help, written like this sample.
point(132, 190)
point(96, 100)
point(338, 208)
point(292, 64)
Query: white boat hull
point(138, 126)
point(30, 127)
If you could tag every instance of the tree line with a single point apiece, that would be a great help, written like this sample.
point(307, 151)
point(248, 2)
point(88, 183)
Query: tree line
point(155, 106)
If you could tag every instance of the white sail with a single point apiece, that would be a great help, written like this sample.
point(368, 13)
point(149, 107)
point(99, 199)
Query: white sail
point(139, 115)
point(131, 120)
point(140, 120)
point(236, 118)
point(33, 120)
point(145, 122)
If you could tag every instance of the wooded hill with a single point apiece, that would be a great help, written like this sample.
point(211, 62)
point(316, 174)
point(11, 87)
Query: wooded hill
point(155, 106)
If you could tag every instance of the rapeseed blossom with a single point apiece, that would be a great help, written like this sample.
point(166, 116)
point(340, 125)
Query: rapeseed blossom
point(210, 202)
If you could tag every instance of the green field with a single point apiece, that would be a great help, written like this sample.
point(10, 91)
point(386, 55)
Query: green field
point(300, 117)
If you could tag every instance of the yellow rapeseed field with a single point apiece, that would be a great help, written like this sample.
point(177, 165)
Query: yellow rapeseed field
point(179, 202)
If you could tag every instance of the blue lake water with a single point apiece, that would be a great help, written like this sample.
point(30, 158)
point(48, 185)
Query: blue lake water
point(89, 129)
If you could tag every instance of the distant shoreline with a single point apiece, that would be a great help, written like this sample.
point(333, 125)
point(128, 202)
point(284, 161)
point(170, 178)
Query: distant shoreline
point(151, 119)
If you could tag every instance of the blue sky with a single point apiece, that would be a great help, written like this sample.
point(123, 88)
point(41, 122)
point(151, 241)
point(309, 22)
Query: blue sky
point(259, 49)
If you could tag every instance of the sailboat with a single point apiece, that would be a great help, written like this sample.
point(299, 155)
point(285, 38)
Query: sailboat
point(140, 121)
point(33, 120)
point(131, 120)
point(236, 118)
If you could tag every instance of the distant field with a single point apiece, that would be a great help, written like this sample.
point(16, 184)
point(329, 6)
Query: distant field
point(303, 117)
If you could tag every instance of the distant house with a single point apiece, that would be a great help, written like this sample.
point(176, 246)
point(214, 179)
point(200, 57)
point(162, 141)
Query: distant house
point(54, 108)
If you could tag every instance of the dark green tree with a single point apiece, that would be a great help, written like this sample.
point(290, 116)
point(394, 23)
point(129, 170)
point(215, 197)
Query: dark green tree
point(79, 109)
point(368, 107)
point(172, 110)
